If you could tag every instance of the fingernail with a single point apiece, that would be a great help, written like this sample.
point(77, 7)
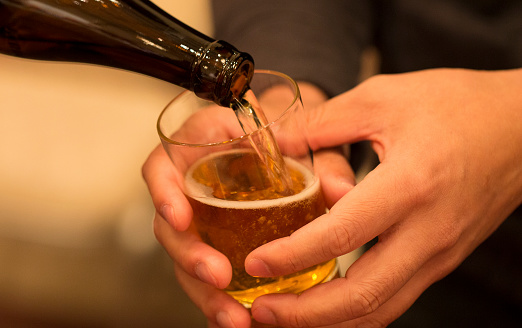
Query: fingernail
point(204, 274)
point(345, 182)
point(167, 212)
point(264, 315)
point(224, 320)
point(258, 268)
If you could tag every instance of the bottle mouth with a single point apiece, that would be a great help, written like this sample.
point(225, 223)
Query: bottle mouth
point(241, 75)
point(222, 73)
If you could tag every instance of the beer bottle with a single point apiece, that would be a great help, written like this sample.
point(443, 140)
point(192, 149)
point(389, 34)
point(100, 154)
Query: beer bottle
point(134, 35)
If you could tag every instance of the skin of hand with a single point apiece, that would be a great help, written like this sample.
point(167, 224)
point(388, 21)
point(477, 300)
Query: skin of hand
point(450, 147)
point(201, 270)
point(449, 143)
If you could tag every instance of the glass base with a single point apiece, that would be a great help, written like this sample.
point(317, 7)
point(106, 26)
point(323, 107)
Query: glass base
point(295, 283)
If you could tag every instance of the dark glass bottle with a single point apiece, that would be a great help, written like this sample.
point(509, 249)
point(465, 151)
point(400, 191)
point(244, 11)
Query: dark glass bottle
point(134, 35)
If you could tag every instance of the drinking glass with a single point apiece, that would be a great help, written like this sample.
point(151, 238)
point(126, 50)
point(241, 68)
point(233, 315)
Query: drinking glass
point(241, 198)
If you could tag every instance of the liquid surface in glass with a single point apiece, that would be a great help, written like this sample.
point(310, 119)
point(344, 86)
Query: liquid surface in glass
point(237, 210)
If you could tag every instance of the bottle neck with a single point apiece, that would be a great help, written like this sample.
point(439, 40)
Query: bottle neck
point(133, 35)
point(222, 73)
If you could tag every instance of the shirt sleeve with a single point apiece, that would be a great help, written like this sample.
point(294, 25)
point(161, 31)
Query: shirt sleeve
point(315, 41)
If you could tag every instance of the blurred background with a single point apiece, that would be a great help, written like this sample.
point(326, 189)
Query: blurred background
point(76, 241)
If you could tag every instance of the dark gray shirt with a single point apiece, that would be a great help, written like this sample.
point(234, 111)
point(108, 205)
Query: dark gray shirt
point(321, 41)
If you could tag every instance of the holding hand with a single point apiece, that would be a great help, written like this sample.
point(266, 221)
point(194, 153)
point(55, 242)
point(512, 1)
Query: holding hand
point(449, 142)
point(193, 258)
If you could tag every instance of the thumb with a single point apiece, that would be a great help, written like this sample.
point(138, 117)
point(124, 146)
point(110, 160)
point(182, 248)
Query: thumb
point(350, 117)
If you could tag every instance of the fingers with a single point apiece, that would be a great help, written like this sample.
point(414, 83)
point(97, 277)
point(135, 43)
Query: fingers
point(195, 257)
point(288, 310)
point(335, 174)
point(202, 272)
point(363, 213)
point(164, 184)
point(221, 309)
point(378, 287)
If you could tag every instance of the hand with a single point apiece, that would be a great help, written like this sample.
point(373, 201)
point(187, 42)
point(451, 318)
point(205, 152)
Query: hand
point(201, 270)
point(449, 144)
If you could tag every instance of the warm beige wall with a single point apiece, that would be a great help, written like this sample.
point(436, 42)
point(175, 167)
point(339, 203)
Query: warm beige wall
point(72, 141)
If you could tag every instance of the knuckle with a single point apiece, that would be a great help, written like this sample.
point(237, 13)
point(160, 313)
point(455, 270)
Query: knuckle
point(361, 301)
point(340, 239)
point(343, 236)
point(147, 166)
point(300, 318)
point(366, 89)
point(448, 234)
point(446, 243)
point(444, 235)
point(416, 190)
point(156, 228)
point(294, 261)
point(144, 170)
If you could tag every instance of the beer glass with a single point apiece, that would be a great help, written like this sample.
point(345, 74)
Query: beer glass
point(241, 197)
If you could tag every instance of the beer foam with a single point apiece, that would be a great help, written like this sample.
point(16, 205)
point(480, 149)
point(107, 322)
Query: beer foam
point(203, 193)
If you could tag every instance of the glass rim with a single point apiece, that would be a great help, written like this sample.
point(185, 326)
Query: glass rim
point(297, 96)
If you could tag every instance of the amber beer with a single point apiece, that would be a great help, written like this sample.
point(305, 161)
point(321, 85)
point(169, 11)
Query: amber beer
point(236, 209)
